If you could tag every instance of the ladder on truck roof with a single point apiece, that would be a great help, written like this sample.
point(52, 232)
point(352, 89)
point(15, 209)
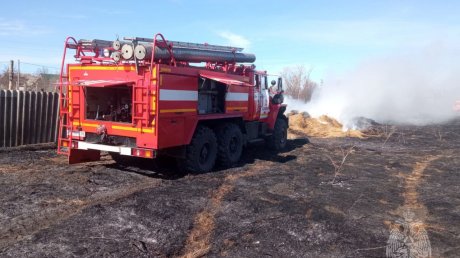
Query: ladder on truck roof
point(65, 127)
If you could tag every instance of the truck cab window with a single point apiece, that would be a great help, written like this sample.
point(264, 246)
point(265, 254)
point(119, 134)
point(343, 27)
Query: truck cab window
point(257, 80)
point(264, 82)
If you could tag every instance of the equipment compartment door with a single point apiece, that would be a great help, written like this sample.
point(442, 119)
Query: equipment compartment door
point(171, 132)
point(108, 103)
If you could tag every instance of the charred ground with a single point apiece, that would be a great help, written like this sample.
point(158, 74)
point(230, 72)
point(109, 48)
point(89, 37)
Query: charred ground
point(290, 204)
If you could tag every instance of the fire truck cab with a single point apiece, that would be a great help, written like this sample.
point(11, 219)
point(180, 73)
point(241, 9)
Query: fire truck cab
point(151, 97)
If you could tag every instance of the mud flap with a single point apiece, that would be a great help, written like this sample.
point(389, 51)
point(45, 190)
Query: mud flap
point(80, 156)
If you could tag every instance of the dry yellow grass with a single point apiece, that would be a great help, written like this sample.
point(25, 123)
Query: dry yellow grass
point(321, 127)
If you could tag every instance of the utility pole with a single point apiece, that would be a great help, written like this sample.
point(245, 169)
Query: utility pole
point(10, 73)
point(19, 74)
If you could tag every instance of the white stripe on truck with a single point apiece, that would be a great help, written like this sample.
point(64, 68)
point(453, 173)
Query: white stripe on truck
point(235, 96)
point(178, 95)
point(102, 147)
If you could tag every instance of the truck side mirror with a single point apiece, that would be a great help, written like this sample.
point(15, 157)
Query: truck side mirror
point(280, 84)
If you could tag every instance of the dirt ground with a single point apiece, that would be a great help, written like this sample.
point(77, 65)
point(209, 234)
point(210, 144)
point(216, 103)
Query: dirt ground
point(291, 204)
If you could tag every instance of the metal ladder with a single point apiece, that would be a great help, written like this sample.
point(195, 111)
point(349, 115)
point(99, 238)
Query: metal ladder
point(64, 137)
point(141, 109)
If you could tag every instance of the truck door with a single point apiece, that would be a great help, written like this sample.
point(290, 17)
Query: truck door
point(264, 97)
point(256, 108)
point(261, 107)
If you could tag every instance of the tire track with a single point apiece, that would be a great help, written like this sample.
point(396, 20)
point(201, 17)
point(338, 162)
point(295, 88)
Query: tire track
point(408, 233)
point(198, 242)
point(412, 182)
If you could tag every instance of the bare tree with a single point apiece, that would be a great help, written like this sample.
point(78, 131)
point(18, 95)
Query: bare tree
point(4, 78)
point(45, 81)
point(298, 84)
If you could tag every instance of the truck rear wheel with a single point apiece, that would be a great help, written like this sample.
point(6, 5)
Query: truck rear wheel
point(278, 140)
point(230, 144)
point(201, 152)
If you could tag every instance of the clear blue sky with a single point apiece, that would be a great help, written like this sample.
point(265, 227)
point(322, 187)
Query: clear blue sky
point(325, 35)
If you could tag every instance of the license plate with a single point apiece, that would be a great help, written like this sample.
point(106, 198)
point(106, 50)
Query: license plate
point(77, 134)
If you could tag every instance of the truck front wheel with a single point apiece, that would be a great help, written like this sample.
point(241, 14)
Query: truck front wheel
point(278, 140)
point(201, 152)
point(230, 144)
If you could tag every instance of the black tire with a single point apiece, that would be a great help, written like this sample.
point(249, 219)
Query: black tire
point(278, 140)
point(201, 153)
point(229, 144)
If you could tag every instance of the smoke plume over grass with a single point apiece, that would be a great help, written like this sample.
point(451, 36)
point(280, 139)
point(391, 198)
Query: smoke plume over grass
point(415, 87)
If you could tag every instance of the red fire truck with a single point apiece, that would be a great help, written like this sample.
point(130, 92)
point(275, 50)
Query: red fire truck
point(147, 97)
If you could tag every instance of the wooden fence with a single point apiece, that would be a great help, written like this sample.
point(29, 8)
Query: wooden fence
point(28, 117)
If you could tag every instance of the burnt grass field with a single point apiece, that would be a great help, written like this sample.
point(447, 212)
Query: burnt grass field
point(291, 204)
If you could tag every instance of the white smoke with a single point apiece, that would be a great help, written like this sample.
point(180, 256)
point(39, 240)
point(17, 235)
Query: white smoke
point(417, 87)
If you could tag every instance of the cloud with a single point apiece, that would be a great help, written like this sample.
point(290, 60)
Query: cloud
point(10, 28)
point(47, 13)
point(235, 40)
point(20, 28)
